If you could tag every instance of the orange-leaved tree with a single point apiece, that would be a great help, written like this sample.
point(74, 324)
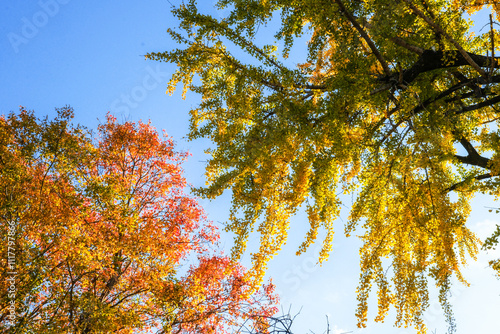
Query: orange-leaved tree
point(95, 230)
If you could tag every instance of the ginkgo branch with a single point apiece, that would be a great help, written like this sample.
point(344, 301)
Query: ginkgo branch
point(492, 38)
point(433, 60)
point(473, 157)
point(480, 105)
point(396, 39)
point(477, 178)
point(365, 36)
point(440, 30)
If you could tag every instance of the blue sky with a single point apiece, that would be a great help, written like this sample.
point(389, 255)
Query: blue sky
point(90, 55)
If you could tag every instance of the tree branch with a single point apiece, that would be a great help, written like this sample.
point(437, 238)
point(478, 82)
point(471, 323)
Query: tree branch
point(440, 30)
point(486, 103)
point(396, 39)
point(433, 60)
point(365, 36)
point(473, 157)
point(478, 178)
point(401, 42)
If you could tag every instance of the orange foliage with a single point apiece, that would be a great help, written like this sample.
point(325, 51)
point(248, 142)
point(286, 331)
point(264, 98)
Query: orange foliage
point(100, 231)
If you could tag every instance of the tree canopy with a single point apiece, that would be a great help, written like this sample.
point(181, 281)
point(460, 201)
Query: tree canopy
point(394, 103)
point(99, 236)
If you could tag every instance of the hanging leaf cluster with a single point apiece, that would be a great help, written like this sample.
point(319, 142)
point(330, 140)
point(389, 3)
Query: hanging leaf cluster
point(391, 102)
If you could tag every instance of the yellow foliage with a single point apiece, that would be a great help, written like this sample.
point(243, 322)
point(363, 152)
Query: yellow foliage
point(394, 104)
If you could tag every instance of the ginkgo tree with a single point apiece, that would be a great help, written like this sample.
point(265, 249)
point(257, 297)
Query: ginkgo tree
point(394, 103)
point(98, 236)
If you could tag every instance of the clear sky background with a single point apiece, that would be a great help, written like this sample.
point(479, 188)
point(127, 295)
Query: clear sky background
point(90, 55)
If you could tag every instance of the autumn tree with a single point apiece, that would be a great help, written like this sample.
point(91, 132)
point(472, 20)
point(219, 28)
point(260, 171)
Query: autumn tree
point(98, 236)
point(392, 103)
